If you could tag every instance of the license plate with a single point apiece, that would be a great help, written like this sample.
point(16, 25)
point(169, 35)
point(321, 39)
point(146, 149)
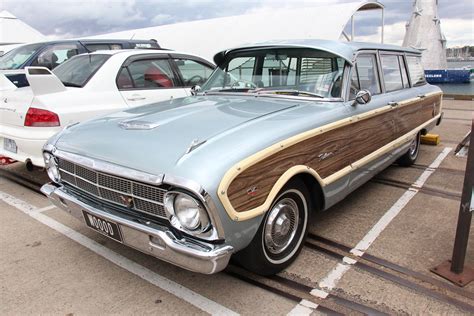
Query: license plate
point(103, 226)
point(10, 145)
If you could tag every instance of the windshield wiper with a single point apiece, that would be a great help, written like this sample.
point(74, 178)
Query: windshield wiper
point(71, 84)
point(237, 90)
point(291, 92)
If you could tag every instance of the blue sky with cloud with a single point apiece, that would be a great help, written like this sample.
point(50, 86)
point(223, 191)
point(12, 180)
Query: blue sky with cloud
point(73, 18)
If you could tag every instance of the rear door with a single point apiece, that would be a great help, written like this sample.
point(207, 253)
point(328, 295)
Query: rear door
point(149, 79)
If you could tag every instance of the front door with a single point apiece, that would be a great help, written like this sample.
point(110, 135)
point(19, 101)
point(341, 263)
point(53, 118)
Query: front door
point(150, 80)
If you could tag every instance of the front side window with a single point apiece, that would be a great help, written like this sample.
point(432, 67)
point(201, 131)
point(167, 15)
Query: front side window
point(416, 71)
point(391, 72)
point(193, 72)
point(78, 71)
point(15, 58)
point(365, 75)
point(299, 72)
point(151, 74)
point(55, 55)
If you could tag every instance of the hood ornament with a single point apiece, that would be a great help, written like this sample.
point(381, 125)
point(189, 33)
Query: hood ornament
point(138, 125)
point(194, 144)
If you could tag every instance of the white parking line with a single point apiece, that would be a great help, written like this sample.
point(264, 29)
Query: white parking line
point(164, 283)
point(46, 208)
point(330, 281)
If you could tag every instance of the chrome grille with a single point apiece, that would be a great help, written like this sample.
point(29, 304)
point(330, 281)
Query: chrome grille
point(146, 198)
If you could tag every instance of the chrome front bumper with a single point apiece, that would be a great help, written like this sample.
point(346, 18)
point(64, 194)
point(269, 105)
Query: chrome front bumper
point(149, 238)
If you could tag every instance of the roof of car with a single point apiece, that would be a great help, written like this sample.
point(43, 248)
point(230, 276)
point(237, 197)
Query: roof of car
point(125, 53)
point(130, 52)
point(95, 41)
point(346, 50)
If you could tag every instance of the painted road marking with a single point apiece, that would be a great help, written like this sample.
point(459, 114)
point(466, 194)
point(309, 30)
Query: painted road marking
point(303, 308)
point(330, 281)
point(162, 282)
point(46, 208)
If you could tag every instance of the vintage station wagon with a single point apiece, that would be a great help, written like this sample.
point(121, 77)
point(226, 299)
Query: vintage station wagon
point(280, 130)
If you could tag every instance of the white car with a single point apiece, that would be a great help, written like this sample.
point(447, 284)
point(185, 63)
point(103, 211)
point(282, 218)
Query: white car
point(87, 86)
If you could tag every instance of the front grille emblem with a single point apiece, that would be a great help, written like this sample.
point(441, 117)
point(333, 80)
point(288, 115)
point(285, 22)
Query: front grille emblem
point(127, 201)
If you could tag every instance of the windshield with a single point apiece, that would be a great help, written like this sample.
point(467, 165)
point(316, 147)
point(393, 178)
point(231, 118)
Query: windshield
point(305, 72)
point(15, 58)
point(77, 71)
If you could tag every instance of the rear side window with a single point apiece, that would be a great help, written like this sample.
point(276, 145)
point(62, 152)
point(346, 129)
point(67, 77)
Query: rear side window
point(96, 47)
point(391, 72)
point(152, 74)
point(416, 71)
point(55, 55)
point(365, 75)
point(78, 71)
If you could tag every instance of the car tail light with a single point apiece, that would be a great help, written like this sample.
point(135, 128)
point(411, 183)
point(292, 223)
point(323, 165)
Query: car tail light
point(41, 118)
point(6, 161)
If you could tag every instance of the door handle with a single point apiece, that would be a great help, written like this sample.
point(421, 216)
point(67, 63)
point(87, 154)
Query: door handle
point(136, 98)
point(422, 96)
point(392, 103)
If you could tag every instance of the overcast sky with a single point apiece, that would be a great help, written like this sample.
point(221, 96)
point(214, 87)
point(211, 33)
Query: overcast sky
point(76, 18)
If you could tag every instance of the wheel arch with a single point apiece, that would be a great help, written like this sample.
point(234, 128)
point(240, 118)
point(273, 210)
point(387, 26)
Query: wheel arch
point(310, 177)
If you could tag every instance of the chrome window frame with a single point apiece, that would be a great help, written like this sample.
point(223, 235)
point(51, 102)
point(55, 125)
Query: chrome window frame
point(374, 52)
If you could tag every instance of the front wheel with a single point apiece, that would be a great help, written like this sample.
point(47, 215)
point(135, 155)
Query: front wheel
point(280, 236)
point(410, 156)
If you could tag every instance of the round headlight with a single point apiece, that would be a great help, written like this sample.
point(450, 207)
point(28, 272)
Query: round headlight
point(188, 211)
point(51, 167)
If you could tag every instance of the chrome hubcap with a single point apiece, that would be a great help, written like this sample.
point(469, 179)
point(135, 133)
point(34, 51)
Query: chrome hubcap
point(281, 226)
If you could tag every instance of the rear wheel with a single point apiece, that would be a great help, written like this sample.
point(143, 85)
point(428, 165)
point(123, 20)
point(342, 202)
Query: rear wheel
point(410, 156)
point(280, 236)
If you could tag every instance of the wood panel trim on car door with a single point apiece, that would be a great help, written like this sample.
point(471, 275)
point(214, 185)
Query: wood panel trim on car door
point(327, 153)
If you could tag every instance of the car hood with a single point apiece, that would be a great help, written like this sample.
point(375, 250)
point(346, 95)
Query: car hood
point(188, 136)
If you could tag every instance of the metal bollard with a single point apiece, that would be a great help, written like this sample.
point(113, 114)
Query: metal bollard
point(454, 269)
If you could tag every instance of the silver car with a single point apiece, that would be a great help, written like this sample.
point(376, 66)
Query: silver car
point(279, 131)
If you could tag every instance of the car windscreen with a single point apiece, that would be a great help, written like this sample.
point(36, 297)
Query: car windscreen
point(77, 71)
point(306, 72)
point(15, 58)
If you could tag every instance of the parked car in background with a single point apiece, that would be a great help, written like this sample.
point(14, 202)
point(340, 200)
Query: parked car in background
point(52, 54)
point(277, 132)
point(90, 85)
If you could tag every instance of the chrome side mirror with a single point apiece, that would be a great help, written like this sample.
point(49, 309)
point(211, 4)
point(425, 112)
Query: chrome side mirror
point(195, 89)
point(363, 97)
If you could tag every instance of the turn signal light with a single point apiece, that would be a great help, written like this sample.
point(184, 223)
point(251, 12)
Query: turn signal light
point(41, 118)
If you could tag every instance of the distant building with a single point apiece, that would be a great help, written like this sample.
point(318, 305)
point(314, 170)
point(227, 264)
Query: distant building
point(460, 53)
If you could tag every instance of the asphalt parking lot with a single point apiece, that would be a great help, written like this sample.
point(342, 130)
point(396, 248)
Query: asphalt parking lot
point(370, 254)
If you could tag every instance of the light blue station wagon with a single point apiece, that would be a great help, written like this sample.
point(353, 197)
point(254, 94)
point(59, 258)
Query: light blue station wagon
point(279, 131)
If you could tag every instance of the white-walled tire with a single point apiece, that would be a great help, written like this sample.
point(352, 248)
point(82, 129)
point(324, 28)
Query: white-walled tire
point(281, 234)
point(410, 156)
